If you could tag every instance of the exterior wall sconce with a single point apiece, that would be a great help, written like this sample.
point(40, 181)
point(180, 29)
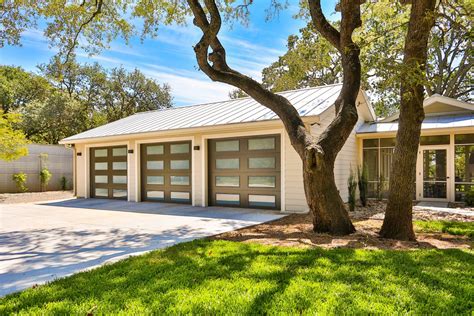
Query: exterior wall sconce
point(197, 147)
point(79, 154)
point(130, 151)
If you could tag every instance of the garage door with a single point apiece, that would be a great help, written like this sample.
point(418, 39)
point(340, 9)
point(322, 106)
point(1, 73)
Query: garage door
point(166, 172)
point(245, 172)
point(108, 167)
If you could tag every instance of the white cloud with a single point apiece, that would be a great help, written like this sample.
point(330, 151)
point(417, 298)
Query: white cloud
point(188, 88)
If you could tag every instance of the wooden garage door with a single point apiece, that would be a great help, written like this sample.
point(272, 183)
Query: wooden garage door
point(166, 172)
point(108, 166)
point(245, 172)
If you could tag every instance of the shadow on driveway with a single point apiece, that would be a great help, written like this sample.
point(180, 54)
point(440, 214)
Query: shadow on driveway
point(167, 209)
point(41, 242)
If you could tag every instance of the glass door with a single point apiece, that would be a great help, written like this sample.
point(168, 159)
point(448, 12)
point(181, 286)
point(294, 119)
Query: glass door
point(435, 179)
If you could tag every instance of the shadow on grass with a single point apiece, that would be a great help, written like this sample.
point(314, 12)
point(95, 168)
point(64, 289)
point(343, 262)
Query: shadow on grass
point(207, 277)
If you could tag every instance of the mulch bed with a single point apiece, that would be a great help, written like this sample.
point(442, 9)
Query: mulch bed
point(296, 230)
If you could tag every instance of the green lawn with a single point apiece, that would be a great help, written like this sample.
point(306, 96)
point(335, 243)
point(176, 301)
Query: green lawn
point(452, 228)
point(208, 277)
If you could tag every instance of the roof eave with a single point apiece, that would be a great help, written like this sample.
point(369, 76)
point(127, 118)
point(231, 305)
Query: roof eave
point(204, 129)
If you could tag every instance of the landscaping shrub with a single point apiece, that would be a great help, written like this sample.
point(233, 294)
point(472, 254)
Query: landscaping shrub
point(469, 197)
point(63, 183)
point(363, 183)
point(20, 181)
point(352, 187)
point(45, 176)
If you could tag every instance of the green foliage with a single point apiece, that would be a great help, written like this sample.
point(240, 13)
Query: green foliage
point(469, 197)
point(45, 176)
point(452, 228)
point(57, 117)
point(221, 277)
point(18, 88)
point(311, 61)
point(63, 183)
point(72, 98)
point(13, 142)
point(363, 182)
point(20, 181)
point(352, 188)
point(237, 93)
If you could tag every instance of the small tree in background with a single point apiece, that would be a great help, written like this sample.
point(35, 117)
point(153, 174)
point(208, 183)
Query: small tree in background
point(363, 183)
point(45, 176)
point(63, 183)
point(352, 188)
point(12, 141)
point(20, 181)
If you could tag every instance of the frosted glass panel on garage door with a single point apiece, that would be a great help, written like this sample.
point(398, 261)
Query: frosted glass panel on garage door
point(262, 143)
point(230, 163)
point(100, 166)
point(99, 192)
point(179, 180)
point(179, 164)
point(100, 152)
point(117, 152)
point(179, 148)
point(119, 179)
point(262, 162)
point(227, 181)
point(154, 165)
point(101, 179)
point(119, 165)
point(155, 150)
point(227, 145)
point(159, 180)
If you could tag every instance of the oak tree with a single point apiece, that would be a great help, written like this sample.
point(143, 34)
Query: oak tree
point(398, 214)
point(90, 25)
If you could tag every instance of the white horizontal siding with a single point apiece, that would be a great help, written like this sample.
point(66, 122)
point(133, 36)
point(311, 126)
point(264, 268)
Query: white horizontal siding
point(347, 157)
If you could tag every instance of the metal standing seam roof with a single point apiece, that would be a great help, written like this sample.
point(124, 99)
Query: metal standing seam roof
point(430, 122)
point(308, 102)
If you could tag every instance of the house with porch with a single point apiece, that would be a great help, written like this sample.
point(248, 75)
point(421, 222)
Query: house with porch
point(236, 153)
point(445, 163)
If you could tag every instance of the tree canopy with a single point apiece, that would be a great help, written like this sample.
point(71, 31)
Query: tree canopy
point(310, 61)
point(69, 98)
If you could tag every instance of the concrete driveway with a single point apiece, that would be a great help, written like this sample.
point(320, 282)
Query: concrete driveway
point(43, 241)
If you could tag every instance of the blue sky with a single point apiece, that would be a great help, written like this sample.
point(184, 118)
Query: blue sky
point(169, 58)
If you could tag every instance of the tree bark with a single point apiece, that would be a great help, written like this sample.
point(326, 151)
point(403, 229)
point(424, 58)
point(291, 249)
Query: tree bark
point(318, 154)
point(398, 215)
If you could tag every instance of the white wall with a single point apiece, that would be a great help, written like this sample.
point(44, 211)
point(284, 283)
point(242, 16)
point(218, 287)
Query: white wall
point(58, 160)
point(293, 197)
point(347, 158)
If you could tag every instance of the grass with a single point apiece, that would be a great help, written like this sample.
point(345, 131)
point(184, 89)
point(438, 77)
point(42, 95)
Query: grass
point(452, 228)
point(209, 277)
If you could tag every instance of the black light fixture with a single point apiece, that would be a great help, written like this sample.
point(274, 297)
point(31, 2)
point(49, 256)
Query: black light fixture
point(79, 154)
point(196, 147)
point(130, 151)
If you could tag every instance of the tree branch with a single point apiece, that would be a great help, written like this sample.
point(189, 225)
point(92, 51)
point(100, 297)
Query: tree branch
point(98, 5)
point(220, 71)
point(322, 25)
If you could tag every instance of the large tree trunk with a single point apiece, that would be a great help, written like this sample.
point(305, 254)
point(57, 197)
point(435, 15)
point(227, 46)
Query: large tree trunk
point(318, 154)
point(322, 195)
point(398, 215)
point(325, 203)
